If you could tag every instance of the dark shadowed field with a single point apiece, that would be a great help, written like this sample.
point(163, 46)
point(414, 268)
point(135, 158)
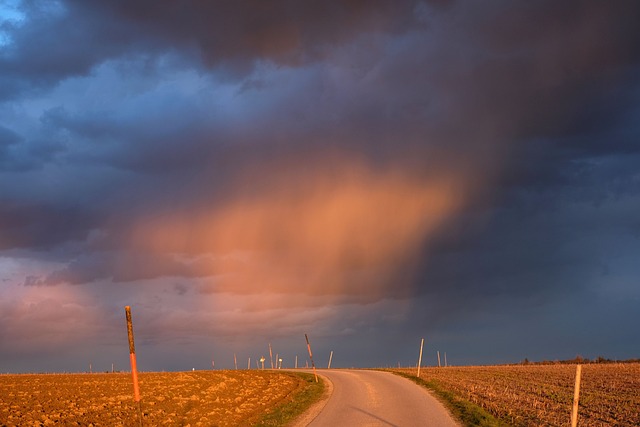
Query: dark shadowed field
point(542, 395)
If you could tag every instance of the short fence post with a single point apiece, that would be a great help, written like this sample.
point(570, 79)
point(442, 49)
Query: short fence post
point(576, 397)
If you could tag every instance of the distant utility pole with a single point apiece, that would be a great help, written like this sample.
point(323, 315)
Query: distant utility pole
point(439, 359)
point(330, 357)
point(271, 355)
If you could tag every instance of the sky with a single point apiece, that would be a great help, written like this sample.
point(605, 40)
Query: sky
point(369, 173)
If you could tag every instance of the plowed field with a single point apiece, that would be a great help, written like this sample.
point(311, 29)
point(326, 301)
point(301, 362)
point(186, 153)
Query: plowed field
point(200, 398)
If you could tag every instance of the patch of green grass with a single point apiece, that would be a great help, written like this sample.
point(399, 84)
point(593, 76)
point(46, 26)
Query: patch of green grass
point(310, 393)
point(468, 413)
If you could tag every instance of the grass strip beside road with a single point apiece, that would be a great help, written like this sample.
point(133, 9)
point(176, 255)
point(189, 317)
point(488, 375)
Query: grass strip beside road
point(297, 403)
point(468, 413)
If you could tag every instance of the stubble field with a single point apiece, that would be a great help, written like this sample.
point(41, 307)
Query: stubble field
point(200, 398)
point(542, 395)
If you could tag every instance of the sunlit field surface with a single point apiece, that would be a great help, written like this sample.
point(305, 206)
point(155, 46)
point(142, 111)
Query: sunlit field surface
point(200, 398)
point(542, 395)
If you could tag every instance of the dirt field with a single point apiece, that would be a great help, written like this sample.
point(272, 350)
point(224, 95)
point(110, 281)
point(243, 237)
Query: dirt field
point(543, 395)
point(200, 398)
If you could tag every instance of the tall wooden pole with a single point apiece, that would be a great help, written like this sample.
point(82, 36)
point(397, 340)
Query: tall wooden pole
point(134, 367)
point(235, 361)
point(439, 359)
point(311, 357)
point(420, 358)
point(576, 397)
point(296, 361)
point(330, 357)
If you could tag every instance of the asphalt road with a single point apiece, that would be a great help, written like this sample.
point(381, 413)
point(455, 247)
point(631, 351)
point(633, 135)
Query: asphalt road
point(374, 398)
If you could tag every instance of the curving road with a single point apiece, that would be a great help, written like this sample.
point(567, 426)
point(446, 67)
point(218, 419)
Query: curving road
point(374, 398)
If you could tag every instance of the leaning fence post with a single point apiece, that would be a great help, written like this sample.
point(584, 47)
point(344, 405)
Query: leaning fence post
point(134, 368)
point(311, 357)
point(420, 358)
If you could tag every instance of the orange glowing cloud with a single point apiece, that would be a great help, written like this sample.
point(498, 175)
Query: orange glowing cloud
point(347, 229)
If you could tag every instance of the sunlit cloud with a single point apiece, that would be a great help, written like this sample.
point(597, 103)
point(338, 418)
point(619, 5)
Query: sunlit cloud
point(342, 229)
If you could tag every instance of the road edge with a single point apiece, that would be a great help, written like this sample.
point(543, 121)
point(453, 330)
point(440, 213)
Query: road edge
point(310, 414)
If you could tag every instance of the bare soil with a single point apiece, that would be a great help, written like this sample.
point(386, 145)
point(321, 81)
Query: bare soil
point(200, 398)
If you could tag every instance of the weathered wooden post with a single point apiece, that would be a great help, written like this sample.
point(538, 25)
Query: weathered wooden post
point(134, 367)
point(439, 359)
point(311, 357)
point(330, 357)
point(420, 358)
point(576, 397)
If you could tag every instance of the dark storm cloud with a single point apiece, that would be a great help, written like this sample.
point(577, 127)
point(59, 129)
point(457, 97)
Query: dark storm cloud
point(227, 34)
point(41, 226)
point(536, 73)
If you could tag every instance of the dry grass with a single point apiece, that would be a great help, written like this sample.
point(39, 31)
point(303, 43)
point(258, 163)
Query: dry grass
point(200, 398)
point(542, 395)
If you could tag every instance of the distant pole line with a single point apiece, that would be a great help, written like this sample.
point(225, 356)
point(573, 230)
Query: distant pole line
point(311, 357)
point(134, 367)
point(439, 359)
point(271, 355)
point(576, 397)
point(296, 361)
point(420, 357)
